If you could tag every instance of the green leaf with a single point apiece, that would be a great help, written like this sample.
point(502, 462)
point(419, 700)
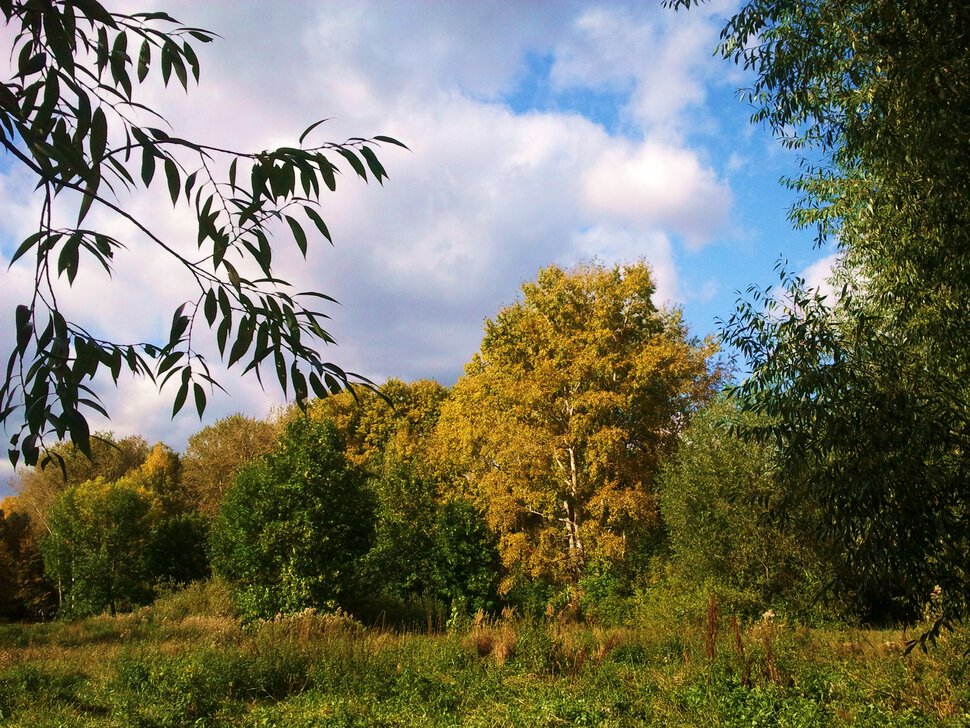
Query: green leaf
point(98, 139)
point(318, 221)
point(299, 383)
point(80, 432)
point(95, 11)
point(280, 369)
point(189, 184)
point(30, 242)
point(244, 337)
point(68, 259)
point(118, 63)
point(222, 334)
point(199, 398)
point(58, 41)
point(24, 327)
point(31, 65)
point(234, 279)
point(147, 164)
point(144, 58)
point(298, 234)
point(90, 191)
point(374, 163)
point(180, 323)
point(169, 361)
point(306, 132)
point(391, 140)
point(317, 386)
point(174, 181)
point(358, 166)
point(193, 60)
point(210, 307)
point(181, 395)
point(328, 171)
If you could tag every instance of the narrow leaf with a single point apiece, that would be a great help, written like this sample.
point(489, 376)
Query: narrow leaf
point(298, 234)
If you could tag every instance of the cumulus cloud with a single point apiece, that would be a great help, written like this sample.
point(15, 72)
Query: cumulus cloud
point(487, 195)
point(659, 185)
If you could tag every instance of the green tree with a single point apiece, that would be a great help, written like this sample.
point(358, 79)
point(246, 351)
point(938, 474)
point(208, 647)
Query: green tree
point(867, 397)
point(467, 564)
point(37, 488)
point(290, 532)
point(426, 545)
point(67, 119)
point(217, 452)
point(95, 548)
point(562, 418)
point(717, 498)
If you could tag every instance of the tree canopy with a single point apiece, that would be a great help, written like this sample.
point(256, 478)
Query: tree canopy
point(68, 118)
point(867, 396)
point(559, 423)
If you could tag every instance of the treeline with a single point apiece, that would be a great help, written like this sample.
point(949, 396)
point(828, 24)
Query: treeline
point(584, 461)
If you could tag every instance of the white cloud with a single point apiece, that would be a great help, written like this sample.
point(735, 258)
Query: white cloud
point(660, 185)
point(485, 197)
point(818, 276)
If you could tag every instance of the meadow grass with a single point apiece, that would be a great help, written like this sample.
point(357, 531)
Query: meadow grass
point(170, 666)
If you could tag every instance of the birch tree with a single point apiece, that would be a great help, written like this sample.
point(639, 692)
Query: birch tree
point(558, 426)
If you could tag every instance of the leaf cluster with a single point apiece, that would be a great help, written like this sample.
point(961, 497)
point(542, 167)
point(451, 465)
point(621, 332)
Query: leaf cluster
point(69, 117)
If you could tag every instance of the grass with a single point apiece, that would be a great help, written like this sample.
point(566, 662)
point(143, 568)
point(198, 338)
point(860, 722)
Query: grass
point(169, 666)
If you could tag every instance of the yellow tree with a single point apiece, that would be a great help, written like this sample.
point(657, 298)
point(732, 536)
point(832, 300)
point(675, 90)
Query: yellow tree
point(394, 427)
point(217, 452)
point(557, 427)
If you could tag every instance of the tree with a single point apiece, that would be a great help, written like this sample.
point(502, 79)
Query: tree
point(425, 544)
point(717, 497)
point(68, 118)
point(394, 423)
point(110, 459)
point(216, 453)
point(95, 548)
point(867, 397)
point(290, 532)
point(24, 591)
point(562, 418)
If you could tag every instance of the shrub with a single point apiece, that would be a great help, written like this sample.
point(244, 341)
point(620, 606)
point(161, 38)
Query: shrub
point(290, 532)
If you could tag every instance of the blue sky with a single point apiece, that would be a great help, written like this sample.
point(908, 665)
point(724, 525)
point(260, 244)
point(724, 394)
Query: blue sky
point(540, 132)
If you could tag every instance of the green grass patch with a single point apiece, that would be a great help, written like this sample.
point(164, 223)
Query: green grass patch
point(168, 666)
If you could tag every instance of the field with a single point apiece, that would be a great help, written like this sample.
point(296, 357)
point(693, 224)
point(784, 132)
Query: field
point(173, 665)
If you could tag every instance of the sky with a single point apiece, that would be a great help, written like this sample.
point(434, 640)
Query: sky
point(539, 132)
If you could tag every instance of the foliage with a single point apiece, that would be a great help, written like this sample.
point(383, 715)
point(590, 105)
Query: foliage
point(111, 459)
point(290, 532)
point(466, 563)
point(868, 398)
point(24, 590)
point(394, 424)
point(68, 118)
point(175, 553)
point(717, 497)
point(217, 452)
point(561, 420)
point(401, 561)
point(426, 546)
point(95, 548)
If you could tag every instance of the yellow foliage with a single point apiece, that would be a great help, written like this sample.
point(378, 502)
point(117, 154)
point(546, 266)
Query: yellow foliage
point(558, 426)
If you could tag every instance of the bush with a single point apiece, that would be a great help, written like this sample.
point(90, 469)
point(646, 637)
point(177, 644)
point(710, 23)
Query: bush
point(715, 499)
point(290, 532)
point(209, 598)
